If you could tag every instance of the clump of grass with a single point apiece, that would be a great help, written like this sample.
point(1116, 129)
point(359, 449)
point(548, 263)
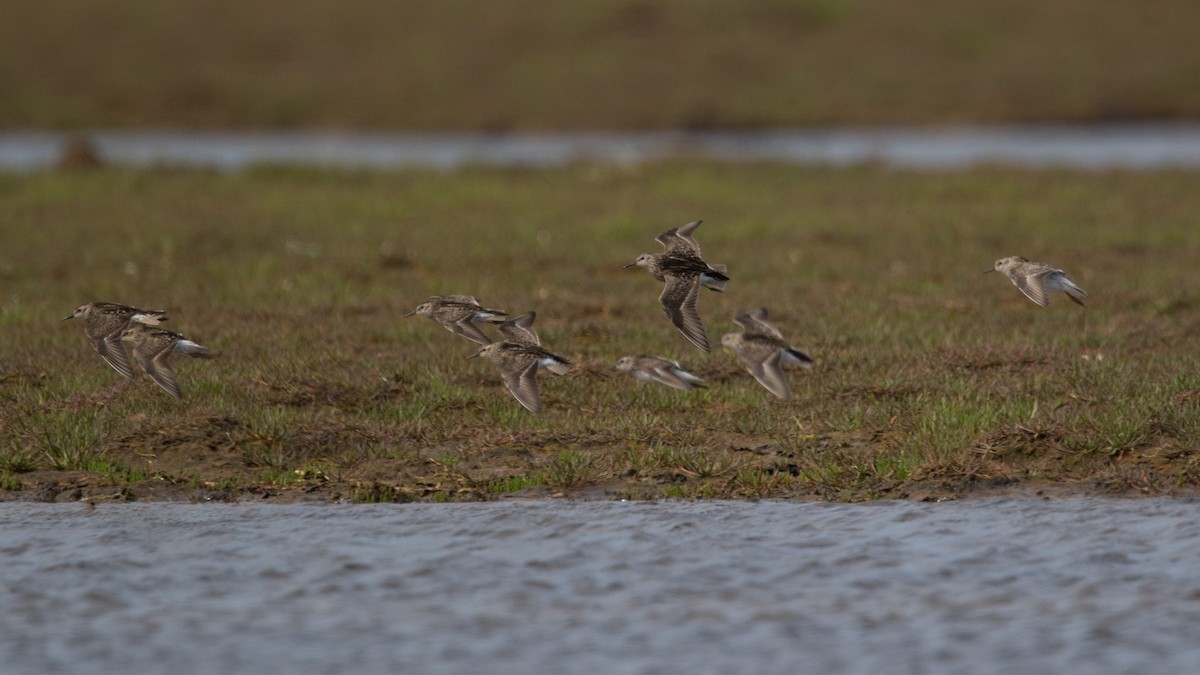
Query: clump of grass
point(378, 493)
point(17, 459)
point(761, 482)
point(11, 482)
point(73, 441)
point(701, 463)
point(117, 473)
point(572, 469)
point(514, 483)
point(280, 476)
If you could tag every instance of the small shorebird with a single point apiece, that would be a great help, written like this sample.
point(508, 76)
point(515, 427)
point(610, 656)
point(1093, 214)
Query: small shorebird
point(659, 370)
point(152, 349)
point(764, 351)
point(520, 357)
point(520, 330)
point(459, 314)
point(684, 272)
point(105, 321)
point(1037, 280)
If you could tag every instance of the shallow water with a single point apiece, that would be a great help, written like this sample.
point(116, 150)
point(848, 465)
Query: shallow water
point(1137, 146)
point(985, 586)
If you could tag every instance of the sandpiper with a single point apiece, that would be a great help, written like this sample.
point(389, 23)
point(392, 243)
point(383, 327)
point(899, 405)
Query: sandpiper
point(764, 351)
point(105, 321)
point(684, 272)
point(520, 330)
point(519, 358)
point(659, 370)
point(1037, 280)
point(459, 314)
point(152, 349)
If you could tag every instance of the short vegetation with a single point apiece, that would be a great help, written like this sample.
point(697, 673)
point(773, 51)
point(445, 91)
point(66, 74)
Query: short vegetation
point(931, 380)
point(592, 64)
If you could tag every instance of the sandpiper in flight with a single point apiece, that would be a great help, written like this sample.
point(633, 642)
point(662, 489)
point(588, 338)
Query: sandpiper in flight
point(459, 314)
point(764, 351)
point(659, 370)
point(1037, 280)
point(684, 272)
point(152, 349)
point(105, 321)
point(519, 358)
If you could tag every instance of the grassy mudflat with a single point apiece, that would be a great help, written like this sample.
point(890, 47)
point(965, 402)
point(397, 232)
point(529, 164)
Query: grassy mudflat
point(931, 380)
point(624, 64)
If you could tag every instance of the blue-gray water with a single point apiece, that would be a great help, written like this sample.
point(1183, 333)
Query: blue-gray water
point(1134, 146)
point(987, 586)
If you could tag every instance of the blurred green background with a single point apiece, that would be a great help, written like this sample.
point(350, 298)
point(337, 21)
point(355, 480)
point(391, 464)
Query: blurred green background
point(592, 64)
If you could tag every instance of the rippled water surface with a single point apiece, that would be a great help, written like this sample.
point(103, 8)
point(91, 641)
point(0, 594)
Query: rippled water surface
point(987, 586)
point(1131, 146)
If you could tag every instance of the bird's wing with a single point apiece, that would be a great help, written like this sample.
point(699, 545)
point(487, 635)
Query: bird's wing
point(465, 328)
point(102, 325)
point(679, 302)
point(460, 299)
point(520, 329)
point(113, 352)
point(767, 370)
point(1033, 286)
point(665, 375)
point(104, 331)
point(154, 359)
point(680, 239)
point(755, 321)
point(522, 382)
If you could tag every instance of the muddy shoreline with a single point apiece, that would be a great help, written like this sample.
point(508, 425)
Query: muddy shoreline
point(95, 489)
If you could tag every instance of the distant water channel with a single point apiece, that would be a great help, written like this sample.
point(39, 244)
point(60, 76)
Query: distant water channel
point(1080, 585)
point(1130, 146)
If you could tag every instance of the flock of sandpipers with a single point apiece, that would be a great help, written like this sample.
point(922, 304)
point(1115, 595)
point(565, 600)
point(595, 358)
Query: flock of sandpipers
point(114, 328)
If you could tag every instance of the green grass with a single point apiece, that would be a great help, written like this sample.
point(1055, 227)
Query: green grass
point(515, 484)
point(573, 469)
point(587, 64)
point(930, 379)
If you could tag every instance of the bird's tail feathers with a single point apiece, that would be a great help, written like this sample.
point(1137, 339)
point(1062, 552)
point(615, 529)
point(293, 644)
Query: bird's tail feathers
point(556, 365)
point(717, 281)
point(192, 349)
point(797, 356)
point(495, 316)
point(151, 317)
point(1073, 292)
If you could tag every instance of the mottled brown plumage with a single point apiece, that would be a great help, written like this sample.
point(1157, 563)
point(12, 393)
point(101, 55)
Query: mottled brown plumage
point(459, 314)
point(519, 358)
point(1037, 280)
point(152, 349)
point(683, 272)
point(763, 350)
point(105, 321)
point(658, 370)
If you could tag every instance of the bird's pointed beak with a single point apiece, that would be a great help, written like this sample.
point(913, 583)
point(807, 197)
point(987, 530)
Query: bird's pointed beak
point(990, 269)
point(475, 355)
point(629, 265)
point(411, 313)
point(69, 317)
